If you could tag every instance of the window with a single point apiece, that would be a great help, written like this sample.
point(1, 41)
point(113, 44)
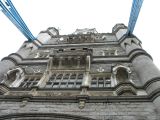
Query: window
point(63, 85)
point(85, 48)
point(61, 39)
point(60, 50)
point(55, 84)
point(109, 52)
point(73, 76)
point(59, 77)
point(29, 82)
point(65, 80)
point(100, 82)
point(73, 49)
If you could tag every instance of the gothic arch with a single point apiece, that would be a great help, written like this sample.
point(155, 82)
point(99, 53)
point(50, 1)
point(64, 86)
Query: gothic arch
point(42, 116)
point(121, 73)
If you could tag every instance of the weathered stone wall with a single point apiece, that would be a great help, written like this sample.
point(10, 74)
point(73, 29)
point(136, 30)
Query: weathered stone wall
point(98, 111)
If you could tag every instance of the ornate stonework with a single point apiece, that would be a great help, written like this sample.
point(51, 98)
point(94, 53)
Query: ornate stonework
point(84, 76)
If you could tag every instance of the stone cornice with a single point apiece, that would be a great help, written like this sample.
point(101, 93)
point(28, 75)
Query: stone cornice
point(29, 97)
point(80, 44)
point(10, 59)
point(149, 82)
point(95, 59)
point(123, 58)
point(19, 56)
point(73, 99)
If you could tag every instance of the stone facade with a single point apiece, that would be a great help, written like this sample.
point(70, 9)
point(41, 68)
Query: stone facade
point(84, 76)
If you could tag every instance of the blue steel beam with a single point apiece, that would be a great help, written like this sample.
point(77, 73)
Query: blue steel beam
point(16, 21)
point(16, 14)
point(136, 7)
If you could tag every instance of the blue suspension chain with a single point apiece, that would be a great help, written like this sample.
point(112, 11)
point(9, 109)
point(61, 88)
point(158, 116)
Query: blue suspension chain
point(136, 7)
point(11, 13)
point(15, 13)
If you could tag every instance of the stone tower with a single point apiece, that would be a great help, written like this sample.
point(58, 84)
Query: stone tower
point(81, 76)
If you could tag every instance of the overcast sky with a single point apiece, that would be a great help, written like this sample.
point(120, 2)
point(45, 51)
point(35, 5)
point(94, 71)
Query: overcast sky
point(67, 15)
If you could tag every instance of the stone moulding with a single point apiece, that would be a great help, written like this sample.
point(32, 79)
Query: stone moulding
point(10, 59)
point(149, 82)
point(133, 54)
point(91, 99)
point(48, 116)
point(19, 56)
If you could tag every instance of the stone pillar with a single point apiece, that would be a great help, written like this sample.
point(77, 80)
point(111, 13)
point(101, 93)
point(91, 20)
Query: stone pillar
point(47, 74)
point(87, 78)
point(60, 62)
point(142, 63)
point(147, 72)
point(78, 61)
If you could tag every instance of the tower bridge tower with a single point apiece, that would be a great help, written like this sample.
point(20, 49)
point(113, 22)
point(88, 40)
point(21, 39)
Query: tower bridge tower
point(84, 76)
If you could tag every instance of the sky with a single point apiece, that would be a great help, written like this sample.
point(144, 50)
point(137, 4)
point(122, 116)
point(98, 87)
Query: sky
point(68, 15)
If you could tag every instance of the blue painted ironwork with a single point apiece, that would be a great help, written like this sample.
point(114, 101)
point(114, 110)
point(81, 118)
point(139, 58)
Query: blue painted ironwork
point(136, 7)
point(12, 14)
point(15, 13)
